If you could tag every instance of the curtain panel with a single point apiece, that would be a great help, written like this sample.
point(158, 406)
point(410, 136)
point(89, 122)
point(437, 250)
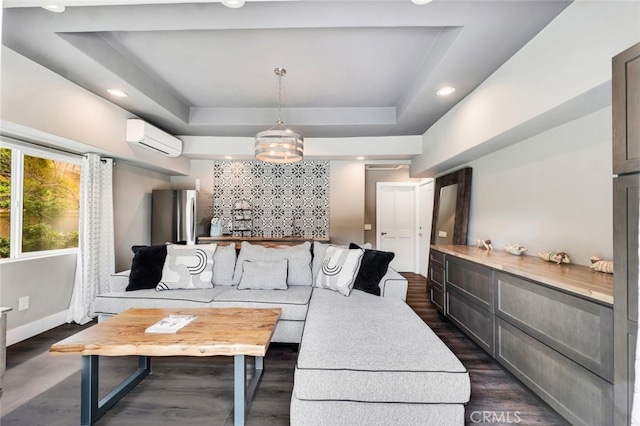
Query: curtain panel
point(96, 258)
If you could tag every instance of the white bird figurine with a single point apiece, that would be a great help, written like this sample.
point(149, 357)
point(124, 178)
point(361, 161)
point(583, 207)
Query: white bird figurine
point(559, 257)
point(515, 249)
point(600, 265)
point(484, 244)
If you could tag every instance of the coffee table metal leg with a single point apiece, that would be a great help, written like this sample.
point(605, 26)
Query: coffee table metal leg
point(244, 392)
point(88, 389)
point(91, 408)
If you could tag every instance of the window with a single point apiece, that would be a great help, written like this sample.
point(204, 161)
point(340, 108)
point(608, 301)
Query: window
point(40, 192)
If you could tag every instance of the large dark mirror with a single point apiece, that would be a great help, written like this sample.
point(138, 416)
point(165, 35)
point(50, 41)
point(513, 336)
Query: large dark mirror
point(451, 208)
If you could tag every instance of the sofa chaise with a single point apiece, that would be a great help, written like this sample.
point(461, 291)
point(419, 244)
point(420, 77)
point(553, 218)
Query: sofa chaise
point(364, 357)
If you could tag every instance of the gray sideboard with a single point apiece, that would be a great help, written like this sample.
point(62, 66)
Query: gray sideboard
point(435, 281)
point(550, 325)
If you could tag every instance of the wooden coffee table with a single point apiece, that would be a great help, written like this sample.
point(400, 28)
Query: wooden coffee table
point(233, 332)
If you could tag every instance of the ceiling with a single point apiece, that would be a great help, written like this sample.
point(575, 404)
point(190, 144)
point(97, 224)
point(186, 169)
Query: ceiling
point(354, 68)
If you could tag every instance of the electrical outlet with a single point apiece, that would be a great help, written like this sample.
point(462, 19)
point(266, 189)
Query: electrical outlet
point(197, 184)
point(442, 234)
point(367, 227)
point(23, 303)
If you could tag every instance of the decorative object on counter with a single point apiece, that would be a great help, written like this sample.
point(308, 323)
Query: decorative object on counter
point(600, 265)
point(484, 244)
point(558, 257)
point(216, 227)
point(515, 249)
point(242, 218)
point(243, 204)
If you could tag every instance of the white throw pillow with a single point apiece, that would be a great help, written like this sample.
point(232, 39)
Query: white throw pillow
point(318, 255)
point(264, 275)
point(187, 267)
point(339, 269)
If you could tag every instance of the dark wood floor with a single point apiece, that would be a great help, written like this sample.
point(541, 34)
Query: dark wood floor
point(495, 393)
point(40, 389)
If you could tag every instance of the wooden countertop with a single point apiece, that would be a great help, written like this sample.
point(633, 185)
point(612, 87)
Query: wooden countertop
point(577, 279)
point(265, 241)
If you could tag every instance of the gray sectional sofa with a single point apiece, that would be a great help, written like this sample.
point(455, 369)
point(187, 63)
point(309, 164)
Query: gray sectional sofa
point(363, 359)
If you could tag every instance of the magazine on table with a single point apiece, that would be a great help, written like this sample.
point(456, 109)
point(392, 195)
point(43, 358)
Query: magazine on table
point(170, 324)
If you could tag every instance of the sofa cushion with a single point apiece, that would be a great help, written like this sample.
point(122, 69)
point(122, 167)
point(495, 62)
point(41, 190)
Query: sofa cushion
point(374, 349)
point(298, 257)
point(355, 413)
point(258, 275)
point(293, 302)
point(224, 263)
point(116, 302)
point(187, 267)
point(146, 266)
point(393, 285)
point(373, 267)
point(339, 269)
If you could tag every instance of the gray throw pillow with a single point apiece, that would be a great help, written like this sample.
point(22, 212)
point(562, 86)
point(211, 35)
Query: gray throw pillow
point(298, 257)
point(187, 267)
point(224, 264)
point(340, 267)
point(259, 275)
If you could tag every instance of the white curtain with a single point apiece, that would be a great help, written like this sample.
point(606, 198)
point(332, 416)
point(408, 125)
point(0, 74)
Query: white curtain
point(96, 259)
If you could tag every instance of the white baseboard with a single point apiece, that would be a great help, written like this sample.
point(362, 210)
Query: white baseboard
point(34, 328)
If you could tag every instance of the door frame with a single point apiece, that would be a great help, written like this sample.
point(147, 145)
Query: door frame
point(416, 209)
point(421, 214)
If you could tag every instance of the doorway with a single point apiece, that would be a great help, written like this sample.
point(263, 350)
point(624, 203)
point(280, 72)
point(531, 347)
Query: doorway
point(396, 223)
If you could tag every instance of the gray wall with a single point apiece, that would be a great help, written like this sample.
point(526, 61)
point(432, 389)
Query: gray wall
point(132, 188)
point(47, 281)
point(551, 192)
point(346, 202)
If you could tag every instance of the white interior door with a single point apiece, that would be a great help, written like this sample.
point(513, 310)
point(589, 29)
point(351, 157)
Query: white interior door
point(396, 223)
point(425, 216)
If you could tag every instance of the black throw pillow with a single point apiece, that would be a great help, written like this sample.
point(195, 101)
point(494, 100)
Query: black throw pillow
point(146, 267)
point(372, 268)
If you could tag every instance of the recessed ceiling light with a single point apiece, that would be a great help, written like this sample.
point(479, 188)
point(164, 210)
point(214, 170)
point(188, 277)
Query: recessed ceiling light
point(54, 8)
point(234, 4)
point(117, 92)
point(421, 2)
point(446, 91)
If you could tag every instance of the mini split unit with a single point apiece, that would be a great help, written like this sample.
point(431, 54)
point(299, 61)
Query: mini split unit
point(140, 133)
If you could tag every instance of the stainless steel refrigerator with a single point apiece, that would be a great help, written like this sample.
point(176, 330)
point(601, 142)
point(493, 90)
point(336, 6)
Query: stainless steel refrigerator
point(173, 216)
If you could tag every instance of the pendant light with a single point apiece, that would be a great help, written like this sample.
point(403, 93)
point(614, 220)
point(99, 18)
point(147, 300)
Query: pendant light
point(279, 144)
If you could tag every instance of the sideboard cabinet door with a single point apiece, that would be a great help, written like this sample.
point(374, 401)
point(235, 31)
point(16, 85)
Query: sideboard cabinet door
point(435, 282)
point(577, 328)
point(469, 294)
point(577, 394)
point(626, 201)
point(626, 110)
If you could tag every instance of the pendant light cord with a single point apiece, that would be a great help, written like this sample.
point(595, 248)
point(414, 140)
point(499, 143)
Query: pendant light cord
point(280, 98)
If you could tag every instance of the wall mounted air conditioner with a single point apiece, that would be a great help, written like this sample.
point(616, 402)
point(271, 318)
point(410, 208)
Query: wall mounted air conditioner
point(141, 133)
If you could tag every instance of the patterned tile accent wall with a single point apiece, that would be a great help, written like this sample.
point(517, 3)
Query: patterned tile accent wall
point(286, 200)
